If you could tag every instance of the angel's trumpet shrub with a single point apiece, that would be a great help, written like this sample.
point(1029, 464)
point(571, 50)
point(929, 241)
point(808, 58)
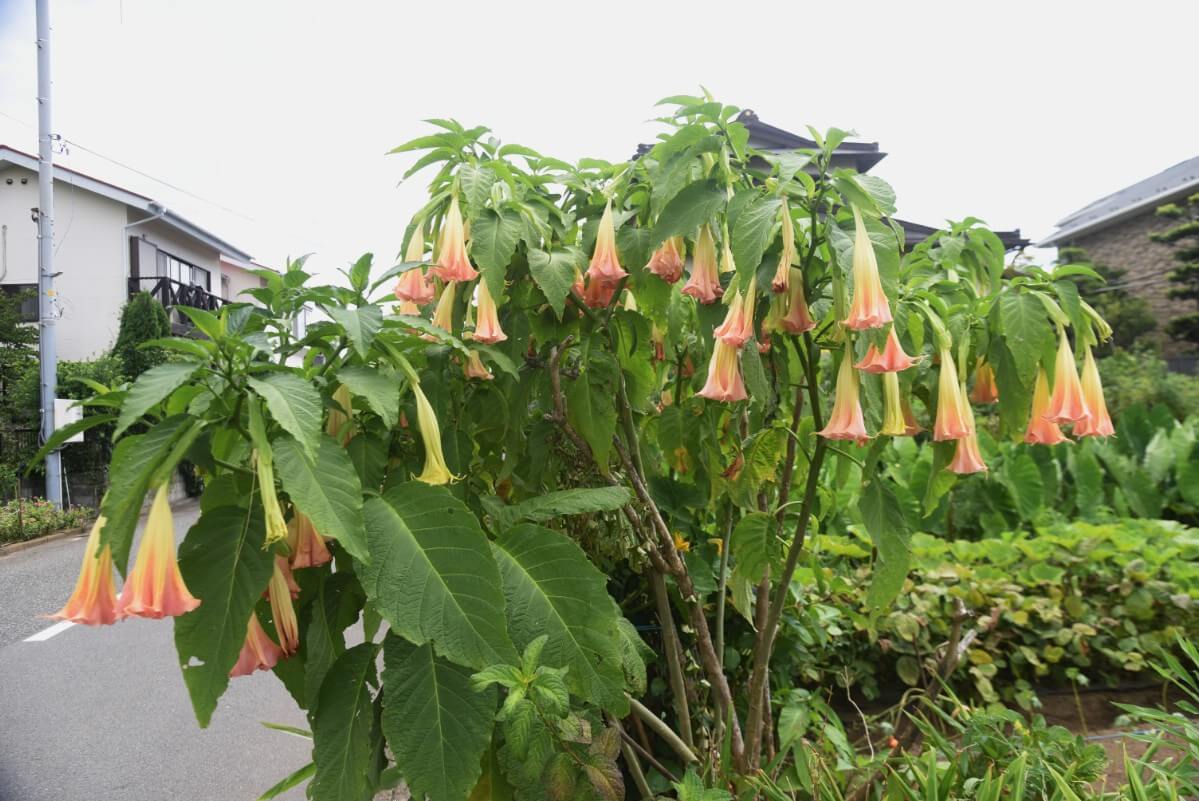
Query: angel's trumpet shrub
point(953, 421)
point(474, 368)
point(845, 421)
point(782, 273)
point(1041, 431)
point(155, 587)
point(487, 325)
point(1098, 423)
point(308, 548)
point(738, 325)
point(94, 600)
point(452, 262)
point(435, 471)
point(667, 261)
point(985, 389)
point(443, 315)
point(258, 651)
point(276, 527)
point(894, 424)
point(338, 424)
point(279, 594)
point(966, 457)
point(704, 283)
point(892, 359)
point(869, 308)
point(1066, 402)
point(598, 293)
point(413, 287)
point(605, 261)
point(798, 319)
point(724, 375)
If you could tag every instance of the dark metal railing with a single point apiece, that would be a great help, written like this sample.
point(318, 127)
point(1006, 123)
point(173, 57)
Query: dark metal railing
point(171, 293)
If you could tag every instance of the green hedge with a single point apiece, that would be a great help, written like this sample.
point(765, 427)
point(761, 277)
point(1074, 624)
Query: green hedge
point(28, 518)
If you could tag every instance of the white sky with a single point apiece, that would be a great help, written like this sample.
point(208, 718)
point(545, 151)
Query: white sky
point(1014, 112)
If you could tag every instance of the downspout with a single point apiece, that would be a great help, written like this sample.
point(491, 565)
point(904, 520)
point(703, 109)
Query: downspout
point(158, 215)
point(3, 252)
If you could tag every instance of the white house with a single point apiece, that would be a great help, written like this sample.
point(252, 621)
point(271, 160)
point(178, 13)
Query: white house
point(109, 243)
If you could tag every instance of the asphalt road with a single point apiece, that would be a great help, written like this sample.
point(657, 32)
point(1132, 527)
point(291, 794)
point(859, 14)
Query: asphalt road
point(102, 713)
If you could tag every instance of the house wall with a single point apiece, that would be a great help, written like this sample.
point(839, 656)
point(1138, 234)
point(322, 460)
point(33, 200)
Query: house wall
point(239, 280)
point(1125, 245)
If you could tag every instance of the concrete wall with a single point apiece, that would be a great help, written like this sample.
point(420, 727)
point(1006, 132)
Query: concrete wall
point(239, 280)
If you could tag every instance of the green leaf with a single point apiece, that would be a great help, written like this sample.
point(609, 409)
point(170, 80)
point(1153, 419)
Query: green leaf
point(751, 235)
point(294, 404)
point(327, 490)
point(438, 727)
point(493, 784)
point(333, 607)
point(432, 575)
point(888, 529)
point(1026, 331)
point(754, 546)
point(294, 779)
point(693, 206)
point(379, 387)
point(591, 410)
point(553, 589)
point(476, 183)
point(493, 238)
point(341, 728)
point(565, 502)
point(224, 564)
point(756, 384)
point(1023, 479)
point(554, 273)
point(633, 655)
point(150, 389)
point(1188, 478)
point(369, 457)
point(361, 325)
point(1088, 481)
point(61, 435)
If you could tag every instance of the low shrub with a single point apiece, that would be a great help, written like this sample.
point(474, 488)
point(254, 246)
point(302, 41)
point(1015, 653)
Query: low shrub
point(27, 518)
point(1140, 378)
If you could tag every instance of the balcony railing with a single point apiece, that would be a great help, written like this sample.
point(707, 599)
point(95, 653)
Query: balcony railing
point(171, 293)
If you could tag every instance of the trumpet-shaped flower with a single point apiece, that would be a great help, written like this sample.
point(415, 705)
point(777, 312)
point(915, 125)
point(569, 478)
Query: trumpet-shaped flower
point(605, 262)
point(667, 261)
point(338, 423)
point(474, 367)
point(258, 651)
point(869, 308)
point(598, 293)
point(1098, 423)
point(452, 262)
point(724, 375)
point(894, 424)
point(415, 287)
point(892, 359)
point(912, 426)
point(279, 593)
point(658, 338)
point(1066, 403)
point(155, 587)
point(738, 325)
point(435, 471)
point(409, 308)
point(798, 319)
point(94, 600)
point(966, 457)
point(704, 283)
point(308, 548)
point(953, 410)
point(443, 315)
point(487, 327)
point(845, 421)
point(1041, 431)
point(276, 527)
point(985, 390)
point(782, 273)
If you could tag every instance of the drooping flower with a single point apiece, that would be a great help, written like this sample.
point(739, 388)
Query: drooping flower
point(443, 315)
point(474, 367)
point(487, 325)
point(308, 548)
point(94, 599)
point(782, 273)
point(414, 287)
point(967, 458)
point(276, 527)
point(704, 283)
point(724, 375)
point(658, 339)
point(667, 261)
point(1066, 403)
point(798, 319)
point(338, 423)
point(985, 390)
point(1041, 431)
point(605, 261)
point(894, 424)
point(738, 325)
point(912, 426)
point(279, 593)
point(891, 360)
point(435, 470)
point(952, 407)
point(452, 262)
point(258, 651)
point(1098, 423)
point(408, 307)
point(155, 588)
point(598, 293)
point(869, 308)
point(845, 421)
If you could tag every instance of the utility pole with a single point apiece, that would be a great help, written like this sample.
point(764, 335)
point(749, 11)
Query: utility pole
point(47, 345)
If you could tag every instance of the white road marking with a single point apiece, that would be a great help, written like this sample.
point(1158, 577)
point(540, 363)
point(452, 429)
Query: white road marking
point(45, 634)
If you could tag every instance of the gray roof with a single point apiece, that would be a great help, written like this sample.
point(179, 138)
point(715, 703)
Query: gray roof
point(1130, 200)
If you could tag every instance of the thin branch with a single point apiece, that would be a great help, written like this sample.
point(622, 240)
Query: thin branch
point(662, 730)
point(634, 764)
point(674, 663)
point(625, 738)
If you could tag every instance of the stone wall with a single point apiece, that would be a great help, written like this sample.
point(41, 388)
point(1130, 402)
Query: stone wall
point(1125, 245)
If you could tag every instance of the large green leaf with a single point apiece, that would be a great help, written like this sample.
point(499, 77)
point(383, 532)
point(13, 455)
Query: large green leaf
point(1026, 331)
point(476, 183)
point(492, 784)
point(432, 575)
point(294, 404)
point(591, 409)
point(341, 728)
point(754, 545)
point(887, 526)
point(751, 235)
point(493, 238)
point(553, 589)
point(554, 274)
point(1088, 481)
point(438, 727)
point(150, 389)
point(369, 457)
point(327, 490)
point(334, 607)
point(362, 325)
point(224, 564)
point(1188, 478)
point(379, 387)
point(1023, 479)
point(695, 205)
point(565, 502)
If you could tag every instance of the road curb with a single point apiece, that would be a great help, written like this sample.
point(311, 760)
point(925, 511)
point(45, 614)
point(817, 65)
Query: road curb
point(24, 545)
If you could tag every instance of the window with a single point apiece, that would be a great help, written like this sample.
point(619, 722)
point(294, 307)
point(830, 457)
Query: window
point(184, 272)
point(28, 295)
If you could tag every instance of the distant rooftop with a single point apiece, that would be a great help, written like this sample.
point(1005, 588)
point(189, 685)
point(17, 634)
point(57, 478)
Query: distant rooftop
point(1154, 190)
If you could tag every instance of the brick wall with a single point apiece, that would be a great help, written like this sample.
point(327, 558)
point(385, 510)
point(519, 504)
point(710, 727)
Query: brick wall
point(1125, 245)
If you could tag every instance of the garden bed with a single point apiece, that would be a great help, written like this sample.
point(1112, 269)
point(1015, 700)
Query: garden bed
point(25, 520)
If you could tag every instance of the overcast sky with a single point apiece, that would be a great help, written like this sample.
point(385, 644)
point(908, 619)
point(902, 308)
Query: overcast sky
point(281, 112)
